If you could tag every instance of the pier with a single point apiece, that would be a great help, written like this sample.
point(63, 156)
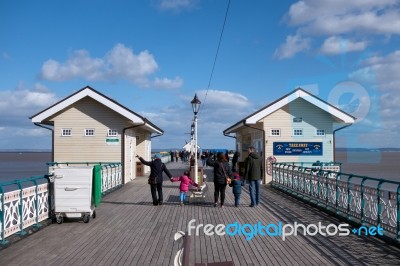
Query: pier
point(129, 230)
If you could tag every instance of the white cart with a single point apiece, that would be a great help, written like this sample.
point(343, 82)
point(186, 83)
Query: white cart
point(73, 193)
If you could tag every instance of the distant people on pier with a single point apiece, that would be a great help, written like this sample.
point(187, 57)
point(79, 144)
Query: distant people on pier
point(156, 177)
point(222, 175)
point(253, 173)
point(186, 181)
point(192, 160)
point(235, 159)
point(176, 156)
point(172, 154)
point(203, 159)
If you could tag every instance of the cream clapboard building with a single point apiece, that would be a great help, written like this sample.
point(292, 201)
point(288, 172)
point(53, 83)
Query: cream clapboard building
point(299, 127)
point(88, 126)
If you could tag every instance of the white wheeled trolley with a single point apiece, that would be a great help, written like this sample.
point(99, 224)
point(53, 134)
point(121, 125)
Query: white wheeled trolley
point(73, 193)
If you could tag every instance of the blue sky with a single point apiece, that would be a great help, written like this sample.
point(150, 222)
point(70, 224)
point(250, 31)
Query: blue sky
point(153, 56)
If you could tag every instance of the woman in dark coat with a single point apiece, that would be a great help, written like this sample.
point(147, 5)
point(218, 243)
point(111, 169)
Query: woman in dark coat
point(156, 171)
point(222, 170)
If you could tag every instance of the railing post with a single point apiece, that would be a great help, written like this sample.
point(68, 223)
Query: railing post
point(311, 186)
point(304, 182)
point(398, 213)
point(318, 186)
point(34, 180)
point(21, 214)
point(380, 205)
point(362, 200)
point(326, 188)
point(293, 177)
point(337, 193)
point(3, 226)
point(348, 197)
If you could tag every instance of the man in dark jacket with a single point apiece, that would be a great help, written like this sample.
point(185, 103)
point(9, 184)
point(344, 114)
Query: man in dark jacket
point(253, 173)
point(156, 172)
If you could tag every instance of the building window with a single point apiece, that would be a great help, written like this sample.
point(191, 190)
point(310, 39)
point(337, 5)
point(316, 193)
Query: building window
point(297, 132)
point(137, 139)
point(112, 133)
point(275, 132)
point(89, 132)
point(320, 132)
point(66, 132)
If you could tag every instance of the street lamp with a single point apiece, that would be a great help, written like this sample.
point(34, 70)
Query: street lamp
point(196, 106)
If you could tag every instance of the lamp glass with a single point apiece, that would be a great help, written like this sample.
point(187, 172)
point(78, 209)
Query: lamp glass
point(195, 104)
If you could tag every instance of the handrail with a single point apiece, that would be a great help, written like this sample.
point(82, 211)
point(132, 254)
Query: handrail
point(26, 205)
point(29, 205)
point(358, 199)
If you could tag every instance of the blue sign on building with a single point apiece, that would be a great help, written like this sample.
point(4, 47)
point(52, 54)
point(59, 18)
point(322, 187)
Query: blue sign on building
point(297, 148)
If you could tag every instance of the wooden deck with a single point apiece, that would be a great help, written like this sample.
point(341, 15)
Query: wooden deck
point(129, 230)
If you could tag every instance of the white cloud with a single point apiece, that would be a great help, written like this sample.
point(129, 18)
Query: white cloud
point(338, 45)
point(342, 16)
point(358, 18)
point(119, 62)
point(383, 70)
point(166, 83)
point(176, 6)
point(293, 45)
point(381, 74)
point(223, 100)
point(16, 106)
point(22, 102)
point(219, 110)
point(35, 132)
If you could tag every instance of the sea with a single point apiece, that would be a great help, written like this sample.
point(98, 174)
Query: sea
point(372, 163)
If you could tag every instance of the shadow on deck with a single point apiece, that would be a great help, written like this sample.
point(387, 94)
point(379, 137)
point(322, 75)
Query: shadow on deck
point(129, 230)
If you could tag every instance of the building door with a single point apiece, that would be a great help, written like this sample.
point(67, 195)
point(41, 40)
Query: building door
point(131, 158)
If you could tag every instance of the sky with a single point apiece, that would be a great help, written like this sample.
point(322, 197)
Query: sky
point(153, 56)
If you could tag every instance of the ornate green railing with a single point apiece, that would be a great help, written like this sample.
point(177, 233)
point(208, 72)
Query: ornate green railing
point(23, 203)
point(358, 199)
point(28, 202)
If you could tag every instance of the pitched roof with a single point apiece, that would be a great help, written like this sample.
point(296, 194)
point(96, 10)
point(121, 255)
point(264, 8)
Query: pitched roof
point(276, 105)
point(101, 98)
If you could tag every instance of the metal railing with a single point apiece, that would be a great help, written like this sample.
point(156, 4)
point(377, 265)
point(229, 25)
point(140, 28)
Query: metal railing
point(27, 202)
point(23, 206)
point(361, 200)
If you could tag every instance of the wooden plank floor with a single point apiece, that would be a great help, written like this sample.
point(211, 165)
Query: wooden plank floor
point(129, 230)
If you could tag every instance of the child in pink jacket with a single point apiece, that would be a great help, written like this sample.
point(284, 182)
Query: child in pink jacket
point(184, 186)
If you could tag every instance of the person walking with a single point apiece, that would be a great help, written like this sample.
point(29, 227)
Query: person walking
point(184, 186)
point(236, 185)
point(156, 177)
point(252, 173)
point(222, 175)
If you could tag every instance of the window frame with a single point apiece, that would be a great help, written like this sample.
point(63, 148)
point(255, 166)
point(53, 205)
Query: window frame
point(271, 133)
point(64, 131)
point(87, 130)
point(110, 130)
point(297, 129)
point(320, 135)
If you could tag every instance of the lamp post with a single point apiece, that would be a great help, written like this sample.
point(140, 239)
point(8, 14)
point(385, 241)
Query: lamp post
point(196, 106)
